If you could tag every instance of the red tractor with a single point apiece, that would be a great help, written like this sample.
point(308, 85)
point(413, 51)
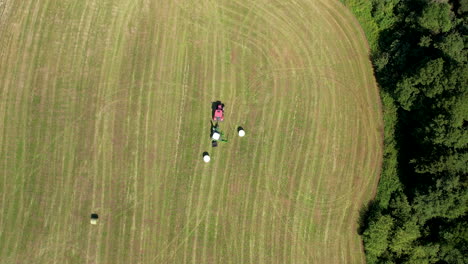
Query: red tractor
point(218, 114)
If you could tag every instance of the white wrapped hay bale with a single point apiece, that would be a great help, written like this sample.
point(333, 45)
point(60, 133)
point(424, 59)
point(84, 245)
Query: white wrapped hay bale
point(206, 158)
point(94, 219)
point(216, 136)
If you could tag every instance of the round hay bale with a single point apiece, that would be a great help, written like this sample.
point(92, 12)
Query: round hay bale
point(241, 133)
point(94, 219)
point(206, 158)
point(216, 136)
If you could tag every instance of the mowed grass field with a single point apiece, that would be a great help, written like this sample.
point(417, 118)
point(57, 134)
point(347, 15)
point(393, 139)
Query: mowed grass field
point(105, 108)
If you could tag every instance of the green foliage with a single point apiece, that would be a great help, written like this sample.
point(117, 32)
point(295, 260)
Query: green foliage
point(453, 163)
point(383, 13)
point(444, 133)
point(420, 60)
point(362, 9)
point(402, 241)
point(380, 60)
point(448, 199)
point(406, 93)
point(428, 79)
point(389, 181)
point(425, 41)
point(463, 6)
point(400, 208)
point(424, 254)
point(459, 110)
point(376, 236)
point(454, 243)
point(437, 17)
point(453, 45)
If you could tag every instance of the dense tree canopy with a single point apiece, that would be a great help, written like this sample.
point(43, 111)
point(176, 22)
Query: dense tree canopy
point(420, 212)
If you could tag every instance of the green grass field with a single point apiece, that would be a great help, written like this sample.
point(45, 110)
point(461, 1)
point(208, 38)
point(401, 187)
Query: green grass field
point(105, 108)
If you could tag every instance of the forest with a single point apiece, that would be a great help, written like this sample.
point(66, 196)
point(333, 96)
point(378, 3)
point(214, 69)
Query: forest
point(419, 55)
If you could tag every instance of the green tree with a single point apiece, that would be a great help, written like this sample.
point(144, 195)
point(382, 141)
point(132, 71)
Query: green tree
point(424, 254)
point(376, 237)
point(402, 241)
point(454, 162)
point(453, 47)
point(454, 246)
point(463, 6)
point(389, 181)
point(382, 12)
point(437, 17)
point(460, 110)
point(400, 208)
point(449, 199)
point(406, 93)
point(425, 41)
point(442, 132)
point(428, 79)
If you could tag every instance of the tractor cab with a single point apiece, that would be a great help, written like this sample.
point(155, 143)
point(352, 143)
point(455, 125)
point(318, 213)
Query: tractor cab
point(219, 113)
